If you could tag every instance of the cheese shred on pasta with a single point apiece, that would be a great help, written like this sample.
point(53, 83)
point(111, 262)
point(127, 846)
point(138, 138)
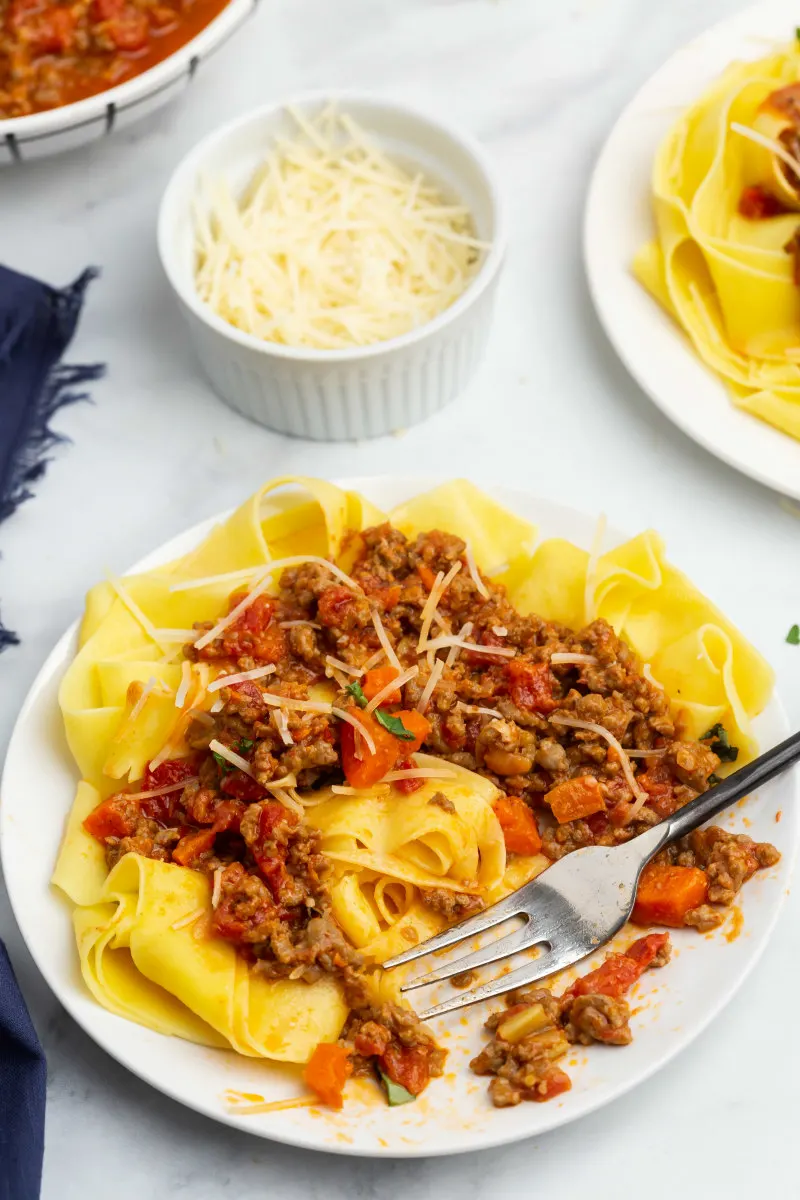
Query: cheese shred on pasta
point(332, 244)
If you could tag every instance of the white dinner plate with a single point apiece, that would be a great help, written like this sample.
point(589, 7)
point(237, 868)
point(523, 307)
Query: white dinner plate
point(454, 1114)
point(619, 220)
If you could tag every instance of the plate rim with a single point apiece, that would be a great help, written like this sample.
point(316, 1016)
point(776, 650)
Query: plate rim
point(58, 659)
point(591, 228)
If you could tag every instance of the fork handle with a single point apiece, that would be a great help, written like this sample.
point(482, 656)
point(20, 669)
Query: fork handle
point(734, 788)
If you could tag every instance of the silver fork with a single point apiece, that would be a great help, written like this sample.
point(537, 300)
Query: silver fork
point(582, 900)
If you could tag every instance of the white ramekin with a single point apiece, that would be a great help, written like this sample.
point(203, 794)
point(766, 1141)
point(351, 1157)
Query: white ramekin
point(339, 394)
point(23, 139)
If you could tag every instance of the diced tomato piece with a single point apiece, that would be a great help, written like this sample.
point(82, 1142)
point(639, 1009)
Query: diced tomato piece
point(519, 826)
point(192, 846)
point(575, 799)
point(644, 950)
point(228, 816)
point(271, 815)
point(487, 638)
point(130, 30)
point(50, 32)
point(409, 1066)
point(251, 690)
point(254, 633)
point(337, 606)
point(554, 1083)
point(406, 786)
point(756, 204)
point(376, 680)
point(327, 1072)
point(370, 768)
point(613, 978)
point(174, 770)
point(115, 817)
point(427, 576)
point(531, 685)
point(666, 894)
point(241, 786)
point(104, 10)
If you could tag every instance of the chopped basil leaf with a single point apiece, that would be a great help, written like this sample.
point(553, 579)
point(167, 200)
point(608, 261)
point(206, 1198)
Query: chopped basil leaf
point(394, 725)
point(395, 1092)
point(720, 743)
point(245, 744)
point(222, 763)
point(797, 33)
point(793, 636)
point(356, 691)
point(714, 780)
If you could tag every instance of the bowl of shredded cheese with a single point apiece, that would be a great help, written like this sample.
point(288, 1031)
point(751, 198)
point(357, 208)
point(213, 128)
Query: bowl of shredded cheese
point(336, 258)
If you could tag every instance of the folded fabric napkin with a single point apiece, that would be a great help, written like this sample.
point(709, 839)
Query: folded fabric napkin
point(36, 326)
point(22, 1086)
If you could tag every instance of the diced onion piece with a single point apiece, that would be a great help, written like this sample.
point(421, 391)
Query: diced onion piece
point(430, 686)
point(473, 570)
point(394, 686)
point(278, 564)
point(231, 756)
point(439, 643)
point(418, 773)
point(343, 666)
point(592, 727)
point(280, 723)
point(453, 654)
point(565, 659)
point(217, 892)
point(357, 725)
point(161, 791)
point(189, 919)
point(521, 1025)
point(185, 684)
point(229, 680)
point(383, 638)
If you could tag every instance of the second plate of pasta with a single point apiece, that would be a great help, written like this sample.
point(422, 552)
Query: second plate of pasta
point(288, 756)
point(688, 242)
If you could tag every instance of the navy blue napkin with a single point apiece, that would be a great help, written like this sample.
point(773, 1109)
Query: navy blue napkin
point(36, 326)
point(23, 1075)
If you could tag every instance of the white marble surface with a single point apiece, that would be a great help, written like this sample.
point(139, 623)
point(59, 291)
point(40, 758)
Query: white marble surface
point(552, 410)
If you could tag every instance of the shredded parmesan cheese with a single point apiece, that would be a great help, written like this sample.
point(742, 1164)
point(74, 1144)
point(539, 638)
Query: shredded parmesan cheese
point(440, 586)
point(640, 796)
point(394, 686)
point(229, 680)
point(133, 608)
point(231, 756)
point(248, 1108)
point(140, 703)
point(650, 677)
point(383, 638)
point(280, 723)
point(185, 684)
point(463, 632)
point(221, 625)
point(563, 660)
point(357, 725)
point(287, 781)
point(278, 564)
point(276, 701)
point(768, 143)
point(418, 773)
point(283, 797)
point(217, 892)
point(189, 919)
point(373, 660)
point(473, 570)
point(332, 244)
point(161, 791)
point(477, 708)
point(452, 640)
point(499, 631)
point(218, 705)
point(343, 666)
point(430, 686)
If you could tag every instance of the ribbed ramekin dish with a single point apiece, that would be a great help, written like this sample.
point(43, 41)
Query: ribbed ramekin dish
point(23, 139)
point(334, 395)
